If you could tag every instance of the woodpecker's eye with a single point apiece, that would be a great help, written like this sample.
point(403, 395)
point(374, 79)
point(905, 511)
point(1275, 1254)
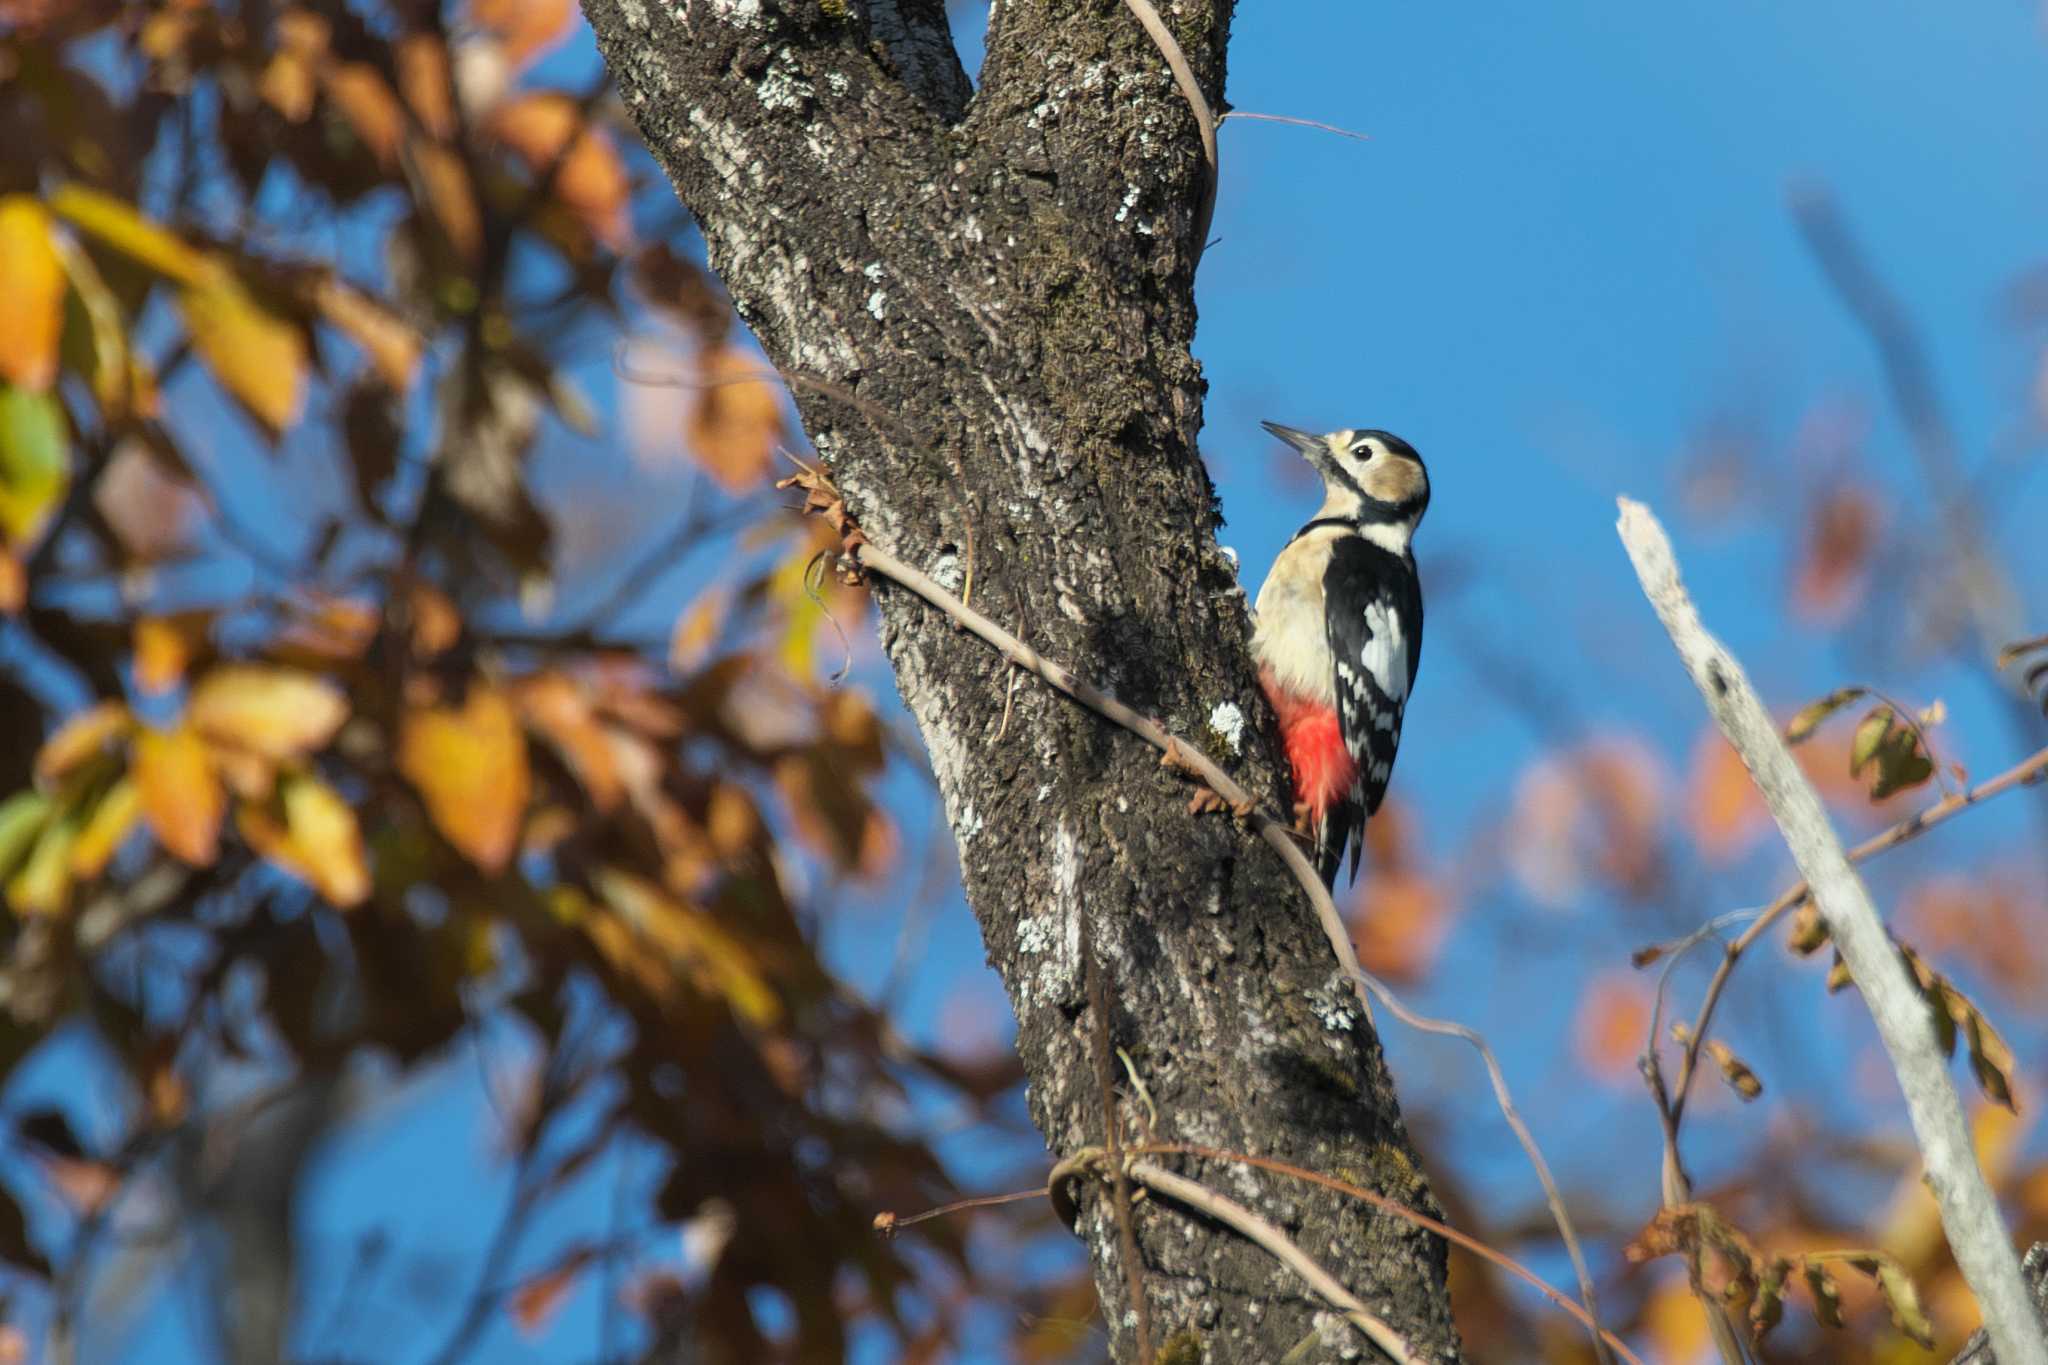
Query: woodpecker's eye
point(1362, 451)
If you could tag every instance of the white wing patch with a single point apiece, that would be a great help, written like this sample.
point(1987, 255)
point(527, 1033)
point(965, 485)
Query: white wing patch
point(1385, 654)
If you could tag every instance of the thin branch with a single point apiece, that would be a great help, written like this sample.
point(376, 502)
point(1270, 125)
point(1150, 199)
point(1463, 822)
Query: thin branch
point(1295, 122)
point(1249, 1224)
point(1278, 836)
point(1551, 1194)
point(1205, 120)
point(1976, 1233)
point(2025, 773)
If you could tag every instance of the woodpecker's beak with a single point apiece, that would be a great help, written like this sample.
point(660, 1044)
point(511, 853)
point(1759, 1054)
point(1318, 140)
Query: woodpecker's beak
point(1311, 446)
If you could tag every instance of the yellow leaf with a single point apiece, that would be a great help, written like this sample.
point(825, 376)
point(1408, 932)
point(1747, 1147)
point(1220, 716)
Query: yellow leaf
point(720, 963)
point(83, 737)
point(278, 713)
point(35, 462)
point(164, 646)
point(112, 820)
point(470, 766)
point(737, 419)
point(121, 226)
point(95, 341)
point(318, 842)
point(427, 83)
point(31, 294)
point(390, 342)
point(181, 797)
point(257, 355)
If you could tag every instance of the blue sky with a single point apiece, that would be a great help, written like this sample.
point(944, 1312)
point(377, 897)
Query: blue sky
point(1564, 252)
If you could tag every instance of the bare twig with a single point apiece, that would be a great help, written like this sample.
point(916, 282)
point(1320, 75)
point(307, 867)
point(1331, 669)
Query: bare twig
point(1551, 1194)
point(1205, 121)
point(1296, 122)
point(1277, 835)
point(2027, 772)
point(1976, 1232)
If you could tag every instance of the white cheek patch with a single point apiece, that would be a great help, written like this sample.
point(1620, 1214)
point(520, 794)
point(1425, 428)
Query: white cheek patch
point(1385, 655)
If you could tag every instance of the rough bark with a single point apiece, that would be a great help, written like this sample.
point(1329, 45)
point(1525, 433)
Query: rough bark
point(1004, 280)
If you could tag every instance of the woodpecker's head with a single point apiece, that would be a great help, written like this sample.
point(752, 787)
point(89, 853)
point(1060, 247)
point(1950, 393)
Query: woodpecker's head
point(1372, 477)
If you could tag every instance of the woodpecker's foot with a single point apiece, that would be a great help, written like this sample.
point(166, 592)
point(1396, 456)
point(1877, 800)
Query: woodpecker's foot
point(1304, 818)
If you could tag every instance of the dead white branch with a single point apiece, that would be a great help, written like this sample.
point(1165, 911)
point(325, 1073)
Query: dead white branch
point(1982, 1246)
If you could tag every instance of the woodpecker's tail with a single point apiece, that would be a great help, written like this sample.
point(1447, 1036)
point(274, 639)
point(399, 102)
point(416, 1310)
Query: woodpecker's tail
point(1341, 829)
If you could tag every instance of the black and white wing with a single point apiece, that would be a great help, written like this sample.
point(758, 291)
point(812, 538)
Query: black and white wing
point(1372, 608)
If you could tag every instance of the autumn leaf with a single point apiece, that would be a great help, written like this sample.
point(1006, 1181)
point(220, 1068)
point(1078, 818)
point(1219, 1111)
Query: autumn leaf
point(277, 713)
point(1831, 573)
point(1723, 810)
point(311, 833)
point(42, 884)
point(371, 107)
point(181, 795)
point(164, 646)
point(426, 82)
point(525, 28)
point(390, 342)
point(35, 462)
point(696, 630)
point(113, 819)
point(1809, 717)
point(21, 821)
point(737, 420)
point(118, 224)
point(1734, 1070)
point(688, 935)
point(589, 178)
point(562, 713)
point(1613, 1018)
point(534, 1303)
point(80, 739)
point(470, 766)
point(446, 188)
point(31, 294)
point(257, 355)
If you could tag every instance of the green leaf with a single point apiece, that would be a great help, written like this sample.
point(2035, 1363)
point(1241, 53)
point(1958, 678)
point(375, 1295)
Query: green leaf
point(1810, 717)
point(21, 820)
point(1870, 733)
point(35, 462)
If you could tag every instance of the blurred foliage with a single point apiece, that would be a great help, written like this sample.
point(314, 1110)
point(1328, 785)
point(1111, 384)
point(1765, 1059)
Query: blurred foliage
point(310, 786)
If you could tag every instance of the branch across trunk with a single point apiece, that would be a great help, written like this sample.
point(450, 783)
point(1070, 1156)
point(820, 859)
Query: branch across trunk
point(1003, 288)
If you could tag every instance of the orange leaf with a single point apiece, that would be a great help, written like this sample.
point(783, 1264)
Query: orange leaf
point(318, 842)
point(737, 419)
point(1614, 1016)
point(181, 797)
point(82, 737)
point(559, 709)
point(257, 355)
point(590, 179)
point(31, 294)
point(278, 713)
point(367, 101)
point(470, 765)
point(535, 1302)
point(164, 646)
point(287, 84)
point(429, 88)
point(1841, 535)
point(526, 28)
point(696, 630)
point(1722, 808)
point(13, 582)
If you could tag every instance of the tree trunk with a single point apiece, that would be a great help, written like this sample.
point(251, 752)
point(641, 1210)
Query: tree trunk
point(1003, 282)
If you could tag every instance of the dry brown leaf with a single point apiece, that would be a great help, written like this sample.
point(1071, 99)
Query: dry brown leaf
point(561, 711)
point(390, 342)
point(181, 796)
point(370, 105)
point(736, 422)
point(278, 713)
point(1831, 576)
point(31, 294)
point(425, 80)
point(470, 766)
point(444, 181)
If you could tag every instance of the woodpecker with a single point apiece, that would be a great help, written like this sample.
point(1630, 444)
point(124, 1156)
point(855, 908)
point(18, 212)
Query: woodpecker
point(1340, 631)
